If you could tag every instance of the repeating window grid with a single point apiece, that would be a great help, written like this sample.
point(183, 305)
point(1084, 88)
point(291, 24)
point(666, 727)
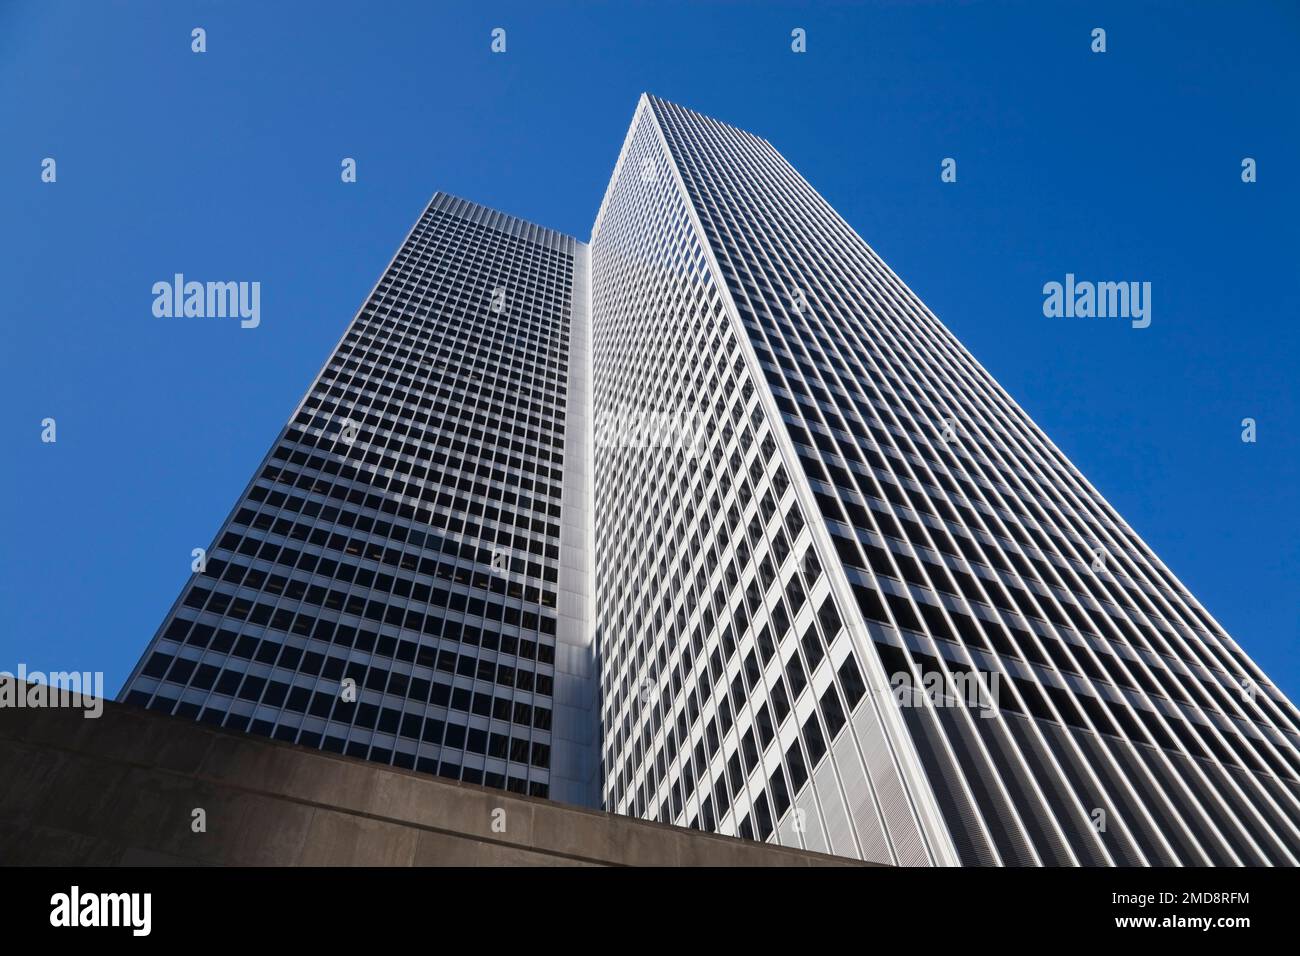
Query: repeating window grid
point(901, 429)
point(379, 433)
point(752, 254)
point(901, 577)
point(395, 414)
point(706, 713)
point(380, 480)
point(744, 648)
point(412, 367)
point(745, 718)
point(859, 751)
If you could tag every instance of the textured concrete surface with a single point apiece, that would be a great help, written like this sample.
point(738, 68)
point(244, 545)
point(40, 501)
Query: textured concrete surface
point(123, 788)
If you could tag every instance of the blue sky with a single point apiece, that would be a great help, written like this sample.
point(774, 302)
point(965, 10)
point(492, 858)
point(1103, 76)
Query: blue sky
point(225, 165)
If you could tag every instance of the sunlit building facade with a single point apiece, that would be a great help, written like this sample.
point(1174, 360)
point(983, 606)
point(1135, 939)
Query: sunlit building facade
point(858, 602)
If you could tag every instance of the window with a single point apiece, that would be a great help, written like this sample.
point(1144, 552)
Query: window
point(851, 682)
point(812, 735)
point(832, 711)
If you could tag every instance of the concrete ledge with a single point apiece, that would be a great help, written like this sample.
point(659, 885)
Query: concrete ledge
point(122, 790)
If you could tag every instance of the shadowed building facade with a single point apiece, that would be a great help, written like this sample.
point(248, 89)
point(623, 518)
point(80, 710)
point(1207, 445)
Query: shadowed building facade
point(405, 579)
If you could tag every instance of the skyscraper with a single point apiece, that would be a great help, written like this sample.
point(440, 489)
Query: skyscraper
point(712, 522)
point(405, 579)
point(862, 604)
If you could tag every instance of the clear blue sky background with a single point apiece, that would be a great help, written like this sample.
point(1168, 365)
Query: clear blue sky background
point(226, 166)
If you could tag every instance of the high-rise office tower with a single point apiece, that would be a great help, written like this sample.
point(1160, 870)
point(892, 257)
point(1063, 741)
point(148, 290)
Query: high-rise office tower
point(713, 522)
point(855, 600)
point(406, 577)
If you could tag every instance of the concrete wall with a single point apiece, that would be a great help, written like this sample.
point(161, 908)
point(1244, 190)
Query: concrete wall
point(121, 789)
